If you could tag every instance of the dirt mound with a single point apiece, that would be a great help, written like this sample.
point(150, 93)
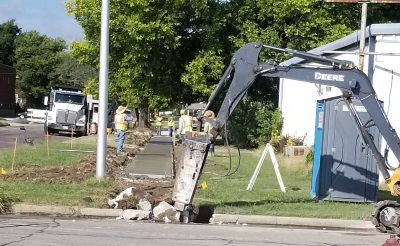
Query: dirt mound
point(134, 142)
point(154, 190)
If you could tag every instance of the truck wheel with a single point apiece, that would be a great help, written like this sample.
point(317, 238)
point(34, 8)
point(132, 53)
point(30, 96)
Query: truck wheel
point(50, 131)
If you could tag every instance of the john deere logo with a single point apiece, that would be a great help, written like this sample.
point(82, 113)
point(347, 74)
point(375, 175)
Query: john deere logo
point(330, 77)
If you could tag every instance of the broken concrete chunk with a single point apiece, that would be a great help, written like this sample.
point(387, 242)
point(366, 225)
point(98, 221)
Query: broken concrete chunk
point(167, 220)
point(144, 215)
point(163, 210)
point(127, 192)
point(132, 214)
point(145, 205)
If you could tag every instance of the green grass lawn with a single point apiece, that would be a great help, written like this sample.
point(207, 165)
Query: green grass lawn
point(75, 194)
point(38, 192)
point(229, 194)
point(224, 194)
point(41, 154)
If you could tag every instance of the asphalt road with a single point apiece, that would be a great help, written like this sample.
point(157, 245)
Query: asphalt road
point(35, 131)
point(35, 231)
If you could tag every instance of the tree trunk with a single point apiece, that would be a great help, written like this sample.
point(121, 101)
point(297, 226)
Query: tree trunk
point(144, 114)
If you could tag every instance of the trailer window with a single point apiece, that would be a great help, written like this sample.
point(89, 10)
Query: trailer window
point(68, 98)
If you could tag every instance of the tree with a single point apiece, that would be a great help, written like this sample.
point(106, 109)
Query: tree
point(297, 24)
point(146, 52)
point(9, 31)
point(71, 72)
point(37, 57)
point(176, 50)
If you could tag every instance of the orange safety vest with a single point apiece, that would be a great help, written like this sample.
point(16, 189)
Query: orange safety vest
point(120, 123)
point(187, 123)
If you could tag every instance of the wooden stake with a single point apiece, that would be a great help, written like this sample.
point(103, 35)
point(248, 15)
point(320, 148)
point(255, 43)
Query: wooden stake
point(47, 138)
point(15, 150)
point(72, 134)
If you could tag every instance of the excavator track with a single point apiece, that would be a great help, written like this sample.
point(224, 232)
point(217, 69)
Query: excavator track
point(386, 216)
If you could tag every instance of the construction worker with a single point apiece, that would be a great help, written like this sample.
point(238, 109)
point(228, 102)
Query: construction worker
point(208, 127)
point(159, 125)
point(182, 112)
point(185, 124)
point(170, 126)
point(121, 124)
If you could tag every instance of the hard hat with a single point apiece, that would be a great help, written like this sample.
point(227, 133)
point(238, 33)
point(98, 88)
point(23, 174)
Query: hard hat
point(209, 114)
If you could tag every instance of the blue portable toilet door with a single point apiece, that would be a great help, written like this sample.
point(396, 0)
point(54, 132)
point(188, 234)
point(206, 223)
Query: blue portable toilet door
point(348, 161)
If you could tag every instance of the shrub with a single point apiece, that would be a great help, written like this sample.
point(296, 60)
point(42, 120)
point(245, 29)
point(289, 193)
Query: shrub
point(310, 156)
point(6, 204)
point(279, 142)
point(253, 123)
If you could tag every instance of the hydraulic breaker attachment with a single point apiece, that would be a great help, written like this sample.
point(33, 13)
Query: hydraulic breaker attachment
point(194, 154)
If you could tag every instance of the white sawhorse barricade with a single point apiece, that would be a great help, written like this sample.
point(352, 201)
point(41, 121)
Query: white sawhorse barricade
point(268, 148)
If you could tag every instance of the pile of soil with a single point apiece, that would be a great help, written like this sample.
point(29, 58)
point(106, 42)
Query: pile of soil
point(154, 190)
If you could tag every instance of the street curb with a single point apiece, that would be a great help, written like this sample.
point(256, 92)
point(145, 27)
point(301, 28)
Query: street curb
point(293, 221)
point(65, 210)
point(32, 209)
point(216, 218)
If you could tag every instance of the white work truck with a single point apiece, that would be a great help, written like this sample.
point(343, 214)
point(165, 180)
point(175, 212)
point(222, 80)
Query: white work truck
point(68, 110)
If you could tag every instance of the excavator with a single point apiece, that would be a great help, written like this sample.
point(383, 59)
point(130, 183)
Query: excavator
point(243, 70)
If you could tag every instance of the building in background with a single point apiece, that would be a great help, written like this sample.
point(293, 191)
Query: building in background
point(7, 91)
point(298, 100)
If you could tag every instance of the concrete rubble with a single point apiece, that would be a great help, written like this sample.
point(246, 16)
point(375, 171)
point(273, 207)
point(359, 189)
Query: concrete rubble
point(145, 205)
point(133, 214)
point(165, 212)
point(162, 212)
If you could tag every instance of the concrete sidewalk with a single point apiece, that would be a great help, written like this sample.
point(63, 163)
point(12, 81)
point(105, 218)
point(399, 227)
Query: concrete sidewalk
point(155, 161)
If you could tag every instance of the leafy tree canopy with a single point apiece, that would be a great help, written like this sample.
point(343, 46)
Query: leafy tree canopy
point(164, 52)
point(8, 33)
point(37, 57)
point(71, 72)
point(146, 53)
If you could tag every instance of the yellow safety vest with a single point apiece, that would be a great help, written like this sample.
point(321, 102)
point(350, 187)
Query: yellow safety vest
point(120, 123)
point(159, 121)
point(187, 124)
point(170, 123)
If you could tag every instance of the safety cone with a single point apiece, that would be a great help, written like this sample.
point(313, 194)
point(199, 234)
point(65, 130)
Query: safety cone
point(3, 171)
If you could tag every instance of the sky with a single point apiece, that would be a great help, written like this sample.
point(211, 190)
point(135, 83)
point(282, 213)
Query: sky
point(48, 17)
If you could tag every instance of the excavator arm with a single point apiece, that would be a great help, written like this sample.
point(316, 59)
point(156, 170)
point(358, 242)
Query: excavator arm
point(244, 68)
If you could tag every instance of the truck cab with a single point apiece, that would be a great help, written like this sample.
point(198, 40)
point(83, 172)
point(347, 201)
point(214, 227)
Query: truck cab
point(67, 110)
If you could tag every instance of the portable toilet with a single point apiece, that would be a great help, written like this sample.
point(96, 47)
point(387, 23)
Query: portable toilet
point(343, 167)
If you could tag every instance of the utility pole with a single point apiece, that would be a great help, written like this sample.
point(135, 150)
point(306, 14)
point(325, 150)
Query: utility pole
point(364, 4)
point(103, 92)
